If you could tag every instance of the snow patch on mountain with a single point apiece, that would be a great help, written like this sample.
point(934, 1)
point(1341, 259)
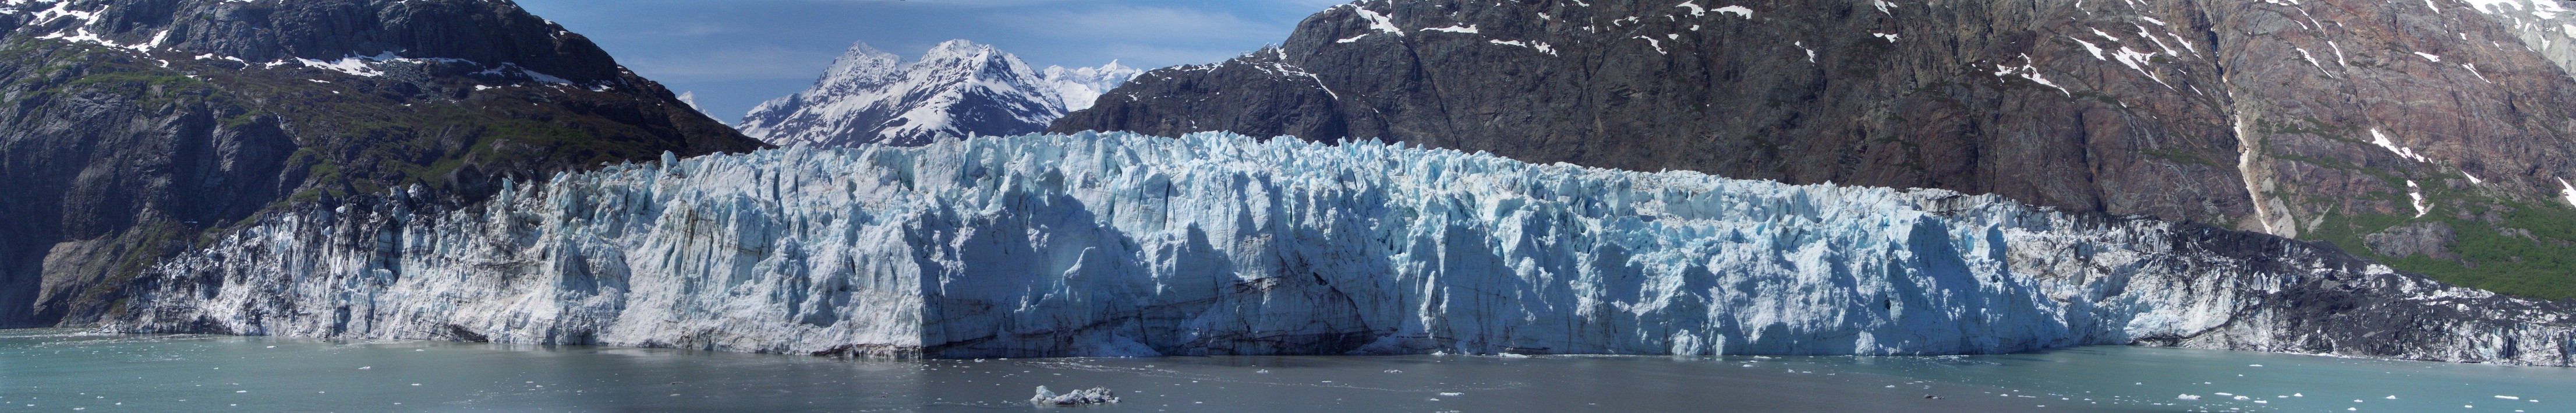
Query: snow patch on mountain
point(691, 98)
point(955, 90)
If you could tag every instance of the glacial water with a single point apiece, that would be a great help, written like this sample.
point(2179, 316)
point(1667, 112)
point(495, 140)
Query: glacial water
point(72, 370)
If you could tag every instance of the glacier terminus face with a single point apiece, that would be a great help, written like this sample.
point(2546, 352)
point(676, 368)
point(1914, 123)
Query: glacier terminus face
point(1126, 245)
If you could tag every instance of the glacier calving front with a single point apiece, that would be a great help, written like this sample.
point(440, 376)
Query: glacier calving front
point(1117, 244)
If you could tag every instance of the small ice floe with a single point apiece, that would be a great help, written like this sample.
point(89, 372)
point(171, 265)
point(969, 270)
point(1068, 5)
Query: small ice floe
point(2508, 397)
point(2188, 397)
point(1090, 396)
point(1261, 371)
point(366, 367)
point(2392, 397)
point(2242, 397)
point(1393, 371)
point(2253, 365)
point(1449, 394)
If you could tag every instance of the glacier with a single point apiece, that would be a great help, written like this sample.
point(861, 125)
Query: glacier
point(1115, 244)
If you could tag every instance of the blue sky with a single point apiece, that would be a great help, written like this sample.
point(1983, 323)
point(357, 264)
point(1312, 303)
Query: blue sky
point(737, 53)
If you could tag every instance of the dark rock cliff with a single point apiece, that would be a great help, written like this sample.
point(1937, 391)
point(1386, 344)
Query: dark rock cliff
point(2330, 120)
point(134, 129)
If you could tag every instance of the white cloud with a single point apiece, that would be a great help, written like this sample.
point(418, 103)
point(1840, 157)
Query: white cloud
point(741, 63)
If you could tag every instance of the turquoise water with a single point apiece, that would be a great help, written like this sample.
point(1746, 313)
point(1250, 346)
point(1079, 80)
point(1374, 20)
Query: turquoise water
point(69, 370)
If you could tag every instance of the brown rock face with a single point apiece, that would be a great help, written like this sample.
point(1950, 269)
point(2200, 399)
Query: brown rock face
point(2321, 119)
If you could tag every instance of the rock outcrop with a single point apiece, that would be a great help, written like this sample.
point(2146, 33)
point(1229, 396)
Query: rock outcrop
point(2320, 119)
point(138, 129)
point(1128, 245)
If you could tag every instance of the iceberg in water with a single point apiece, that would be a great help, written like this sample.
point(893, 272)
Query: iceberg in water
point(1095, 395)
point(1125, 245)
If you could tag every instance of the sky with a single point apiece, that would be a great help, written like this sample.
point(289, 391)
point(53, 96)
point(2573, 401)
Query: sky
point(735, 54)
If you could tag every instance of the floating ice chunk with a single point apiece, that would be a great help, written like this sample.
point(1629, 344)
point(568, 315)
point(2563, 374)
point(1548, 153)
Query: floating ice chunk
point(2253, 365)
point(1090, 396)
point(2392, 397)
point(2508, 397)
point(2188, 397)
point(1449, 394)
point(2242, 398)
point(367, 367)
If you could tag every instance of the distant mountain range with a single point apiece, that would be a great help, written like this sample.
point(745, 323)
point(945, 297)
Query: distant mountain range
point(957, 89)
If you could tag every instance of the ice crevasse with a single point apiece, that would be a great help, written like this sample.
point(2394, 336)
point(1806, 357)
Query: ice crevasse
point(1117, 244)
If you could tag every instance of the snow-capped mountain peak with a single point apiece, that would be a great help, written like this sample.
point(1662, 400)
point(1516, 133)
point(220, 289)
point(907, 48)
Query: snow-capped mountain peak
point(862, 65)
point(958, 88)
point(1082, 85)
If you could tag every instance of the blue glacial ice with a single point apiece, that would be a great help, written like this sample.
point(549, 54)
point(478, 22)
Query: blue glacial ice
point(1118, 244)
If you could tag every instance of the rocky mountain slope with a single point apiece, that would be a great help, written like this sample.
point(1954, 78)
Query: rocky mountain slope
point(137, 129)
point(957, 89)
point(2431, 135)
point(1129, 245)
